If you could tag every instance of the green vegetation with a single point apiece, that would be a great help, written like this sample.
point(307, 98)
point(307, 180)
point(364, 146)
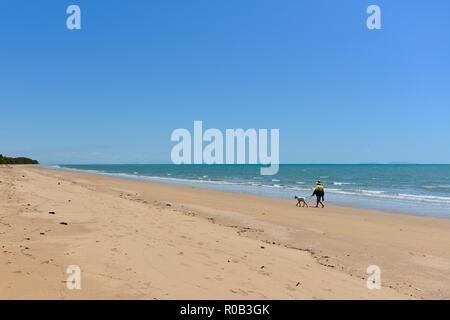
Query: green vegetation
point(20, 160)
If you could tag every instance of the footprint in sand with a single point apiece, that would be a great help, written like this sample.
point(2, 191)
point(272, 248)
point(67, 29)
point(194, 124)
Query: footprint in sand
point(239, 291)
point(264, 273)
point(290, 288)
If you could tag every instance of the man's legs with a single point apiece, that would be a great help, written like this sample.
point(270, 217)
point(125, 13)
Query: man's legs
point(323, 206)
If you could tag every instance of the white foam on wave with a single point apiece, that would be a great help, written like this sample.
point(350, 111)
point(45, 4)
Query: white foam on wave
point(394, 196)
point(369, 194)
point(439, 186)
point(336, 183)
point(423, 198)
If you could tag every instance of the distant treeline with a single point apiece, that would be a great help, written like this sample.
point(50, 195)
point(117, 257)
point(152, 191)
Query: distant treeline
point(19, 160)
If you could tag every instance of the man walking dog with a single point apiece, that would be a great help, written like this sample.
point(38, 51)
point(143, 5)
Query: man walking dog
point(319, 192)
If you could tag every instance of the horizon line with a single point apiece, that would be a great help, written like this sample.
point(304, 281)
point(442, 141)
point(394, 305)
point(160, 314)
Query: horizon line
point(246, 164)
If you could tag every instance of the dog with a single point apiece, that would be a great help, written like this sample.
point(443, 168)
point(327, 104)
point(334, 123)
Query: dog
point(301, 202)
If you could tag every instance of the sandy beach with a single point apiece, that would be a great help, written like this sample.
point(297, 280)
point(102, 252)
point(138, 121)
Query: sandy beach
point(139, 240)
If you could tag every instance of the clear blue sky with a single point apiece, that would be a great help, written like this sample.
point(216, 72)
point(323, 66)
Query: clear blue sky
point(114, 91)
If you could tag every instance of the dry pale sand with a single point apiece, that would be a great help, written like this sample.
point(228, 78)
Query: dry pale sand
point(136, 240)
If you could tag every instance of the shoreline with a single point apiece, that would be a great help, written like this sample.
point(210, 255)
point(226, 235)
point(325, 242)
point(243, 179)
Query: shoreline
point(152, 237)
point(389, 205)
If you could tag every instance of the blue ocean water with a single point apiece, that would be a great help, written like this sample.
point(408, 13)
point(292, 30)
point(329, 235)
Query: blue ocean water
point(415, 189)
